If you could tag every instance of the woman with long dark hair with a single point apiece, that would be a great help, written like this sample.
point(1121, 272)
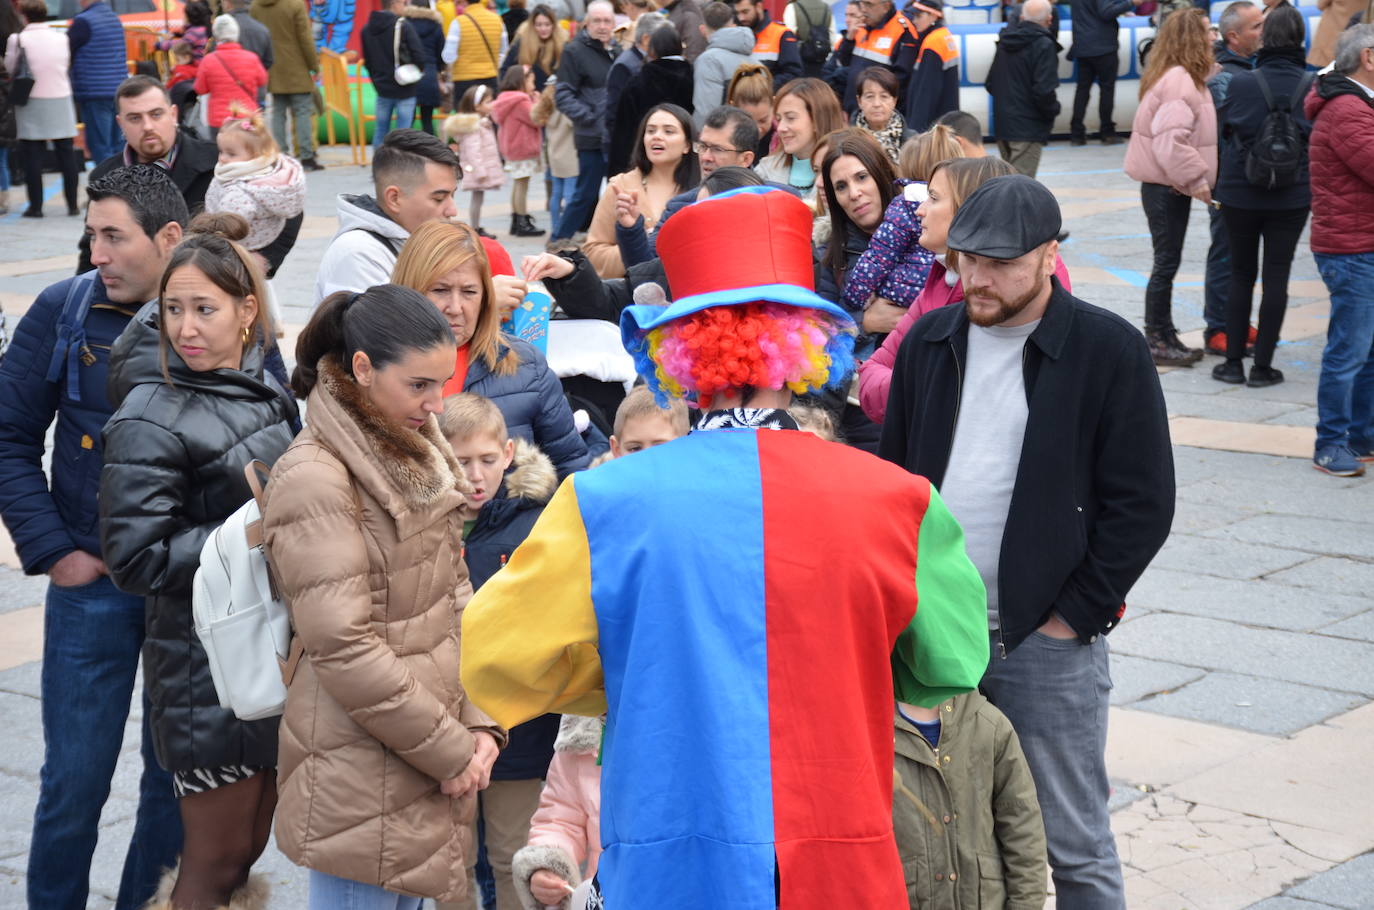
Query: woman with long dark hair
point(1253, 213)
point(382, 754)
point(1173, 153)
point(194, 408)
point(664, 164)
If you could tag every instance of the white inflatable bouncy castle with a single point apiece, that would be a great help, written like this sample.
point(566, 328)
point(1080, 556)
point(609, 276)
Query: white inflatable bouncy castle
point(975, 24)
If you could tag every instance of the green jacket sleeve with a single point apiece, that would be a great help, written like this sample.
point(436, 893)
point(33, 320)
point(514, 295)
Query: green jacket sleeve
point(944, 650)
point(1016, 822)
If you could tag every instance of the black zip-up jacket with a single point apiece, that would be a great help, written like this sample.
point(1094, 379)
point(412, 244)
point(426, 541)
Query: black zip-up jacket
point(1094, 493)
point(1023, 81)
point(580, 92)
point(379, 54)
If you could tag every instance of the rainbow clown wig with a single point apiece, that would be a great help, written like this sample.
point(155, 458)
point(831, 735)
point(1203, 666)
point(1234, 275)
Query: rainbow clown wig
point(746, 314)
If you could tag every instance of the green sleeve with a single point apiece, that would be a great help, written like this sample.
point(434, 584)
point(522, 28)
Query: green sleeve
point(944, 650)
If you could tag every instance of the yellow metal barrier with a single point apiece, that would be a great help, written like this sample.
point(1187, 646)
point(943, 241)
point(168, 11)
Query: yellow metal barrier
point(337, 100)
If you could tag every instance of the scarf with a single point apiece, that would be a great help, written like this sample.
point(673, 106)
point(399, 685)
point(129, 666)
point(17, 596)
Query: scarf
point(889, 137)
point(244, 170)
point(747, 419)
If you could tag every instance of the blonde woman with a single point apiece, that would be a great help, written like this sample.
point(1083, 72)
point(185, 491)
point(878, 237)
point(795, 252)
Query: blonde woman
point(538, 45)
point(447, 264)
point(1173, 153)
point(751, 90)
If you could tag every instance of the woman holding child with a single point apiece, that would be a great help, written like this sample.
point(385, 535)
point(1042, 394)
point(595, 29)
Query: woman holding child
point(448, 265)
point(382, 753)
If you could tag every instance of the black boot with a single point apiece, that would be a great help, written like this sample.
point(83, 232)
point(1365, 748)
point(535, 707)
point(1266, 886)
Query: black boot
point(1164, 352)
point(516, 228)
point(531, 229)
point(310, 164)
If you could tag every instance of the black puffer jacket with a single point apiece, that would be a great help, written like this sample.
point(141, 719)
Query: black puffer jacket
point(174, 459)
point(658, 81)
point(581, 89)
point(1022, 82)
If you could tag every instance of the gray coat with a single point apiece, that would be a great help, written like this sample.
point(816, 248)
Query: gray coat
point(725, 51)
point(580, 92)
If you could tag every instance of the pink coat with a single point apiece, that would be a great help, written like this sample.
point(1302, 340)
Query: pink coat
point(565, 831)
point(228, 74)
point(478, 156)
point(875, 374)
point(518, 136)
point(1174, 135)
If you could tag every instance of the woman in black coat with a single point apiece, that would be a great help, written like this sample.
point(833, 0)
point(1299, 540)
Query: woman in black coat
point(193, 409)
point(1275, 214)
point(665, 77)
point(429, 26)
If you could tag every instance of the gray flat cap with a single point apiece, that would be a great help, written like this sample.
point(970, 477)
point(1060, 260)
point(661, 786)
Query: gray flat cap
point(1005, 218)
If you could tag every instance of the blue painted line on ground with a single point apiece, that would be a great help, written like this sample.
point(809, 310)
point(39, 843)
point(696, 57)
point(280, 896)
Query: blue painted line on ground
point(1131, 277)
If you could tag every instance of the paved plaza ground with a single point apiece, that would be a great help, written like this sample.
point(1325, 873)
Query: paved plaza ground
point(1242, 732)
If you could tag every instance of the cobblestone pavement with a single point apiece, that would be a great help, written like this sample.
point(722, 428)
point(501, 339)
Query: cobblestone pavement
point(1242, 730)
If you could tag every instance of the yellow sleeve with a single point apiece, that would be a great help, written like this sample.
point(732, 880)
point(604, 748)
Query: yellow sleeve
point(529, 635)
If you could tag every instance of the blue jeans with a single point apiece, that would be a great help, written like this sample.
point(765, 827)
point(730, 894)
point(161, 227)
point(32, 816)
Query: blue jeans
point(329, 892)
point(1345, 389)
point(91, 641)
point(4, 169)
point(591, 168)
point(559, 195)
point(1217, 281)
point(403, 108)
point(1055, 692)
point(103, 137)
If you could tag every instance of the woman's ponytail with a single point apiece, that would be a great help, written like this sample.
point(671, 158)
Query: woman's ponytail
point(322, 335)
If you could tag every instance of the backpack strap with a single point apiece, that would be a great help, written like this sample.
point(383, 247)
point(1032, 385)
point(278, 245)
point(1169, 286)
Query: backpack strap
point(253, 472)
point(1264, 89)
point(70, 348)
point(1303, 85)
point(384, 241)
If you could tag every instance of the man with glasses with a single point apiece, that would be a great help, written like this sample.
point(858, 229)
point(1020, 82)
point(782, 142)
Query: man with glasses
point(886, 39)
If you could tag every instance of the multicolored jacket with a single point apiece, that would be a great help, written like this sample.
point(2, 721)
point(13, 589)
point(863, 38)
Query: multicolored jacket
point(748, 679)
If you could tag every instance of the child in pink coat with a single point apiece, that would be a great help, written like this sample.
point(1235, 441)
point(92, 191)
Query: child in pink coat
point(565, 832)
point(473, 138)
point(519, 141)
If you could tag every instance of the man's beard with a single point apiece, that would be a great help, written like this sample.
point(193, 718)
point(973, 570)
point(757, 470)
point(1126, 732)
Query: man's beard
point(1005, 310)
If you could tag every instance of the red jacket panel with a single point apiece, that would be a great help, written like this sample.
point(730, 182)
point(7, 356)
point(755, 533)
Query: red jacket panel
point(230, 74)
point(1341, 155)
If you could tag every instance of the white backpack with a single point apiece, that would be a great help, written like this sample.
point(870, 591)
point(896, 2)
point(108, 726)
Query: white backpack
point(238, 615)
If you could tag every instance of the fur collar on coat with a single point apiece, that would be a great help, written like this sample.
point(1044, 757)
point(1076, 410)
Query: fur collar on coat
point(579, 734)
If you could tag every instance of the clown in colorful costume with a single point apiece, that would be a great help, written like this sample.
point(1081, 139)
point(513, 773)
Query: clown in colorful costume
point(748, 681)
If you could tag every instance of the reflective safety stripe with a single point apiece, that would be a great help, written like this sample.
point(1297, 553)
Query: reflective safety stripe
point(881, 43)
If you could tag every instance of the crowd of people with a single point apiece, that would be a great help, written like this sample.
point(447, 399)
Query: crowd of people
point(539, 664)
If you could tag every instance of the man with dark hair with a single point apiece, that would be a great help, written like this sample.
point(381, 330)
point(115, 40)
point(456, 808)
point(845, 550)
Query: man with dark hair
point(1240, 26)
point(93, 633)
point(1024, 82)
point(96, 37)
point(1094, 49)
point(727, 46)
point(148, 119)
point(887, 39)
point(775, 45)
point(968, 132)
point(414, 177)
point(1040, 419)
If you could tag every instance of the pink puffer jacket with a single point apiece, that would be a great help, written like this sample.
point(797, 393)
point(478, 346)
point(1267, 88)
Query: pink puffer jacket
point(519, 136)
point(1174, 135)
point(942, 288)
point(565, 831)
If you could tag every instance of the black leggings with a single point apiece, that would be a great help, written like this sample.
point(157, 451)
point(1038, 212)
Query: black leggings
point(427, 118)
point(1166, 211)
point(34, 152)
point(1280, 230)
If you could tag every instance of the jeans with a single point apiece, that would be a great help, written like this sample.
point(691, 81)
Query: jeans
point(1280, 229)
point(403, 108)
point(4, 169)
point(103, 137)
point(329, 892)
point(1217, 282)
point(92, 637)
point(1055, 693)
point(591, 167)
point(560, 194)
point(1345, 389)
point(302, 107)
point(1102, 70)
point(1166, 212)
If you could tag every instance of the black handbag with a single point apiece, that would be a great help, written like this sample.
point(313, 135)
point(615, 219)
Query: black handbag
point(21, 83)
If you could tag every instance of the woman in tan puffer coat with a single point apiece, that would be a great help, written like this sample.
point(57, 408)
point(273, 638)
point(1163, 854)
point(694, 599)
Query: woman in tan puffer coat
point(381, 753)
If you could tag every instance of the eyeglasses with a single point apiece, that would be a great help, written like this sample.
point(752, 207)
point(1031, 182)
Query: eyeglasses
point(702, 148)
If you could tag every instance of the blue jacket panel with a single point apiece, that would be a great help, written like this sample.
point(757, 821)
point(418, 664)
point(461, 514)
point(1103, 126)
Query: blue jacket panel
point(46, 523)
point(1095, 28)
point(98, 53)
point(531, 399)
point(1240, 117)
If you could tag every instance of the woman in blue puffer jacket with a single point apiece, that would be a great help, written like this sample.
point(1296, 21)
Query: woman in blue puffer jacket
point(448, 264)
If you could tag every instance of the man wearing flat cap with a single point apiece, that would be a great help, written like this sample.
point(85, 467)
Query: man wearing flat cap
point(1040, 419)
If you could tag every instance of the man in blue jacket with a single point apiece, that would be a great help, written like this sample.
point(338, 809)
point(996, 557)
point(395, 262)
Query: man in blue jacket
point(96, 37)
point(92, 632)
point(1095, 48)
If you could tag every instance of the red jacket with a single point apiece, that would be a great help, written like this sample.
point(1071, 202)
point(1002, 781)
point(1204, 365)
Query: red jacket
point(518, 136)
point(875, 373)
point(230, 73)
point(1342, 166)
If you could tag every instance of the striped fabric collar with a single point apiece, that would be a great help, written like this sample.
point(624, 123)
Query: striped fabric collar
point(747, 419)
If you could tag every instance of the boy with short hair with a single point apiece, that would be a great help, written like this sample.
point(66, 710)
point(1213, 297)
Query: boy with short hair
point(511, 482)
point(641, 424)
